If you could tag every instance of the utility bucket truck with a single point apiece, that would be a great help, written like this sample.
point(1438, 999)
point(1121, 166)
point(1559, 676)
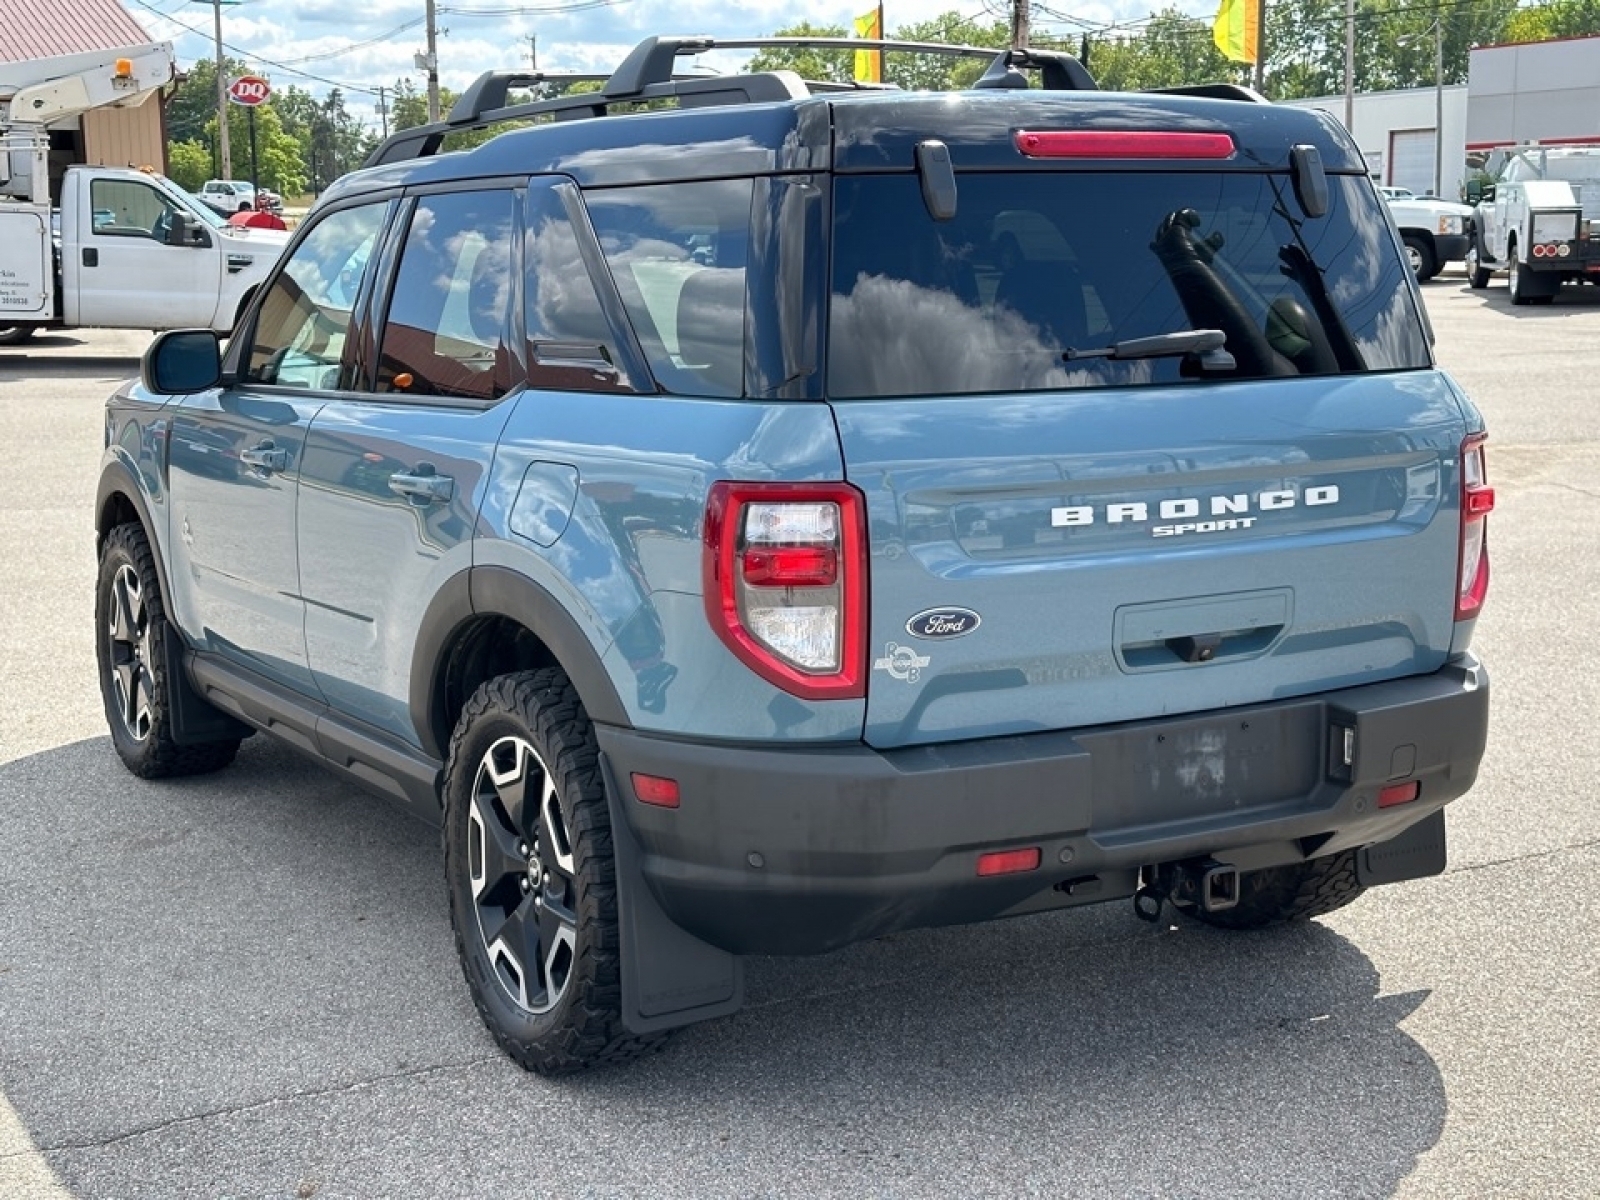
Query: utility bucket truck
point(123, 248)
point(1539, 221)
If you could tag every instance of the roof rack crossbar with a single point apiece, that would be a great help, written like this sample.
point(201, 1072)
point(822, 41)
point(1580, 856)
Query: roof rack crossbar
point(488, 91)
point(647, 73)
point(1058, 71)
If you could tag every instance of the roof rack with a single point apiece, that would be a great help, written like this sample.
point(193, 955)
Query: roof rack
point(647, 73)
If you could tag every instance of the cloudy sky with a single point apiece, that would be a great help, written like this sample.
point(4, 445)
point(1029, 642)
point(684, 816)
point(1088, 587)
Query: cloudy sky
point(361, 45)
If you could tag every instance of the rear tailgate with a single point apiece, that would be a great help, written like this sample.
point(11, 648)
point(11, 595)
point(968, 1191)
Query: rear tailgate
point(1052, 560)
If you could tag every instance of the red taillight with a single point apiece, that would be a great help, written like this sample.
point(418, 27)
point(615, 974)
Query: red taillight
point(1008, 862)
point(655, 789)
point(1399, 793)
point(785, 581)
point(1477, 502)
point(1123, 143)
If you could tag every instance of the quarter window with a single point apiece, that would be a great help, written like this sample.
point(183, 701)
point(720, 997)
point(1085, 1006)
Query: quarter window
point(677, 252)
point(305, 317)
point(446, 330)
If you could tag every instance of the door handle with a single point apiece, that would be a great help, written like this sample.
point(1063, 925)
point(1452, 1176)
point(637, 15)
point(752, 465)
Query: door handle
point(265, 457)
point(91, 256)
point(423, 486)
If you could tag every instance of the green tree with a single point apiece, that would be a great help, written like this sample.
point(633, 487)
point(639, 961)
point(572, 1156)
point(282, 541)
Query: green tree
point(836, 66)
point(939, 72)
point(280, 156)
point(189, 164)
point(193, 106)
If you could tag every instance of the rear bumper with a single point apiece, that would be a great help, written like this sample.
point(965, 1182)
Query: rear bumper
point(780, 850)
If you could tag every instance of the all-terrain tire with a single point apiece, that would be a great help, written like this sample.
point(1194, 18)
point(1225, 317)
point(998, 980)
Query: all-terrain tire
point(533, 894)
point(131, 633)
point(1293, 893)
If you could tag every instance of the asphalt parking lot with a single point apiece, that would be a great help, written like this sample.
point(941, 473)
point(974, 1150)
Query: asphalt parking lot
point(245, 986)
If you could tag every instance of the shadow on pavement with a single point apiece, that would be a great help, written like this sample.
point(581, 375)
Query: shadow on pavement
point(269, 949)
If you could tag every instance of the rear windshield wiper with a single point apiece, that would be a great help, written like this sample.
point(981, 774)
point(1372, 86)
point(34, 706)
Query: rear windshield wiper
point(1204, 345)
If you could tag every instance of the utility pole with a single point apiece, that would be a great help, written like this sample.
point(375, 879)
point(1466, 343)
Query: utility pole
point(533, 51)
point(1438, 102)
point(1019, 23)
point(224, 151)
point(383, 109)
point(1261, 46)
point(1350, 65)
point(433, 63)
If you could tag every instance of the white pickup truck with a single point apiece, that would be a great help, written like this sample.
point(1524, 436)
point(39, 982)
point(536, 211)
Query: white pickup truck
point(1434, 231)
point(126, 249)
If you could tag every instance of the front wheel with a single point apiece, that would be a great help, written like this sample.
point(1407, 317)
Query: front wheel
point(531, 877)
point(1296, 892)
point(1419, 253)
point(1477, 273)
point(131, 643)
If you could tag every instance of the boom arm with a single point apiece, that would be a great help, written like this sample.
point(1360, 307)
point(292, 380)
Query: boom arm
point(37, 94)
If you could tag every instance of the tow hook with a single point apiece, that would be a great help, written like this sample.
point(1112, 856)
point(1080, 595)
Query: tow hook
point(1202, 883)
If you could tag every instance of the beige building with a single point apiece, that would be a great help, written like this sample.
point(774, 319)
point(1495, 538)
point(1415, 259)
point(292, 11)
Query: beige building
point(113, 137)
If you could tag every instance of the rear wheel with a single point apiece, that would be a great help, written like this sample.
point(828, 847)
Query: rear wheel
point(1294, 893)
point(131, 643)
point(1524, 288)
point(15, 335)
point(1420, 254)
point(532, 880)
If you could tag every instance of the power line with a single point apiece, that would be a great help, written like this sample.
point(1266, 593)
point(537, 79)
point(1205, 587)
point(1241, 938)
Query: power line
point(252, 55)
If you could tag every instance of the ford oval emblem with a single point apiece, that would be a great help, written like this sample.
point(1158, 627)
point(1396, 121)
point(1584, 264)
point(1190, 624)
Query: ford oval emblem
point(943, 623)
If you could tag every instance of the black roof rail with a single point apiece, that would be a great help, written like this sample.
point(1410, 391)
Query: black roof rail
point(647, 73)
point(1215, 91)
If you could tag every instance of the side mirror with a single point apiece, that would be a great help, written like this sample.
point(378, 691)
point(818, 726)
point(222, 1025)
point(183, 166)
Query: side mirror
point(182, 361)
point(1474, 191)
point(177, 229)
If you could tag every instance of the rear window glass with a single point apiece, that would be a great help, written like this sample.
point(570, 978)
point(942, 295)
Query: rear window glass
point(677, 252)
point(1034, 266)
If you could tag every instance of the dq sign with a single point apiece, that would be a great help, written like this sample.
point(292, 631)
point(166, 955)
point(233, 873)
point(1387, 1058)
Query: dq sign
point(249, 90)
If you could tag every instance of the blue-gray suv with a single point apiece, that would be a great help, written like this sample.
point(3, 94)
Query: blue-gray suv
point(753, 518)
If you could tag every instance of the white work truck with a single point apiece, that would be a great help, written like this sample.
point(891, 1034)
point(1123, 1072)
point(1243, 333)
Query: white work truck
point(1536, 219)
point(124, 248)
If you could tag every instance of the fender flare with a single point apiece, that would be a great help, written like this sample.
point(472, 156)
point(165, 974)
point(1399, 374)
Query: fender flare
point(117, 479)
point(501, 592)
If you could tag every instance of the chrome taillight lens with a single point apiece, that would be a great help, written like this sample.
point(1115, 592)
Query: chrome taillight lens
point(785, 583)
point(1477, 502)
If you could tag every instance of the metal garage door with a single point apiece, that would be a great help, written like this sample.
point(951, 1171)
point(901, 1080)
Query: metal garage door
point(1411, 160)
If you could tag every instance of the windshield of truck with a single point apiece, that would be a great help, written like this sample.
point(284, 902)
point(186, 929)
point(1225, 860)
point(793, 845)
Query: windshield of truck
point(1036, 269)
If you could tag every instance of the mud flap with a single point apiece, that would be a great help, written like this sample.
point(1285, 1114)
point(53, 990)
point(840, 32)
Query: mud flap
point(1415, 854)
point(669, 977)
point(194, 720)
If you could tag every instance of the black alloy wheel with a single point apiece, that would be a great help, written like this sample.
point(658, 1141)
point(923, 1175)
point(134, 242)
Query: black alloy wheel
point(531, 876)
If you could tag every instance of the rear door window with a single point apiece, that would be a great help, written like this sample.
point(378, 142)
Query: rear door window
point(1036, 269)
point(446, 332)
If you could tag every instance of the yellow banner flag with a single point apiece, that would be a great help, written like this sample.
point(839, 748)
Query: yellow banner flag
point(1235, 30)
point(869, 63)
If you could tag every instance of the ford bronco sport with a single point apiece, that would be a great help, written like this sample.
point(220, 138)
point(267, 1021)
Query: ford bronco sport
point(801, 515)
